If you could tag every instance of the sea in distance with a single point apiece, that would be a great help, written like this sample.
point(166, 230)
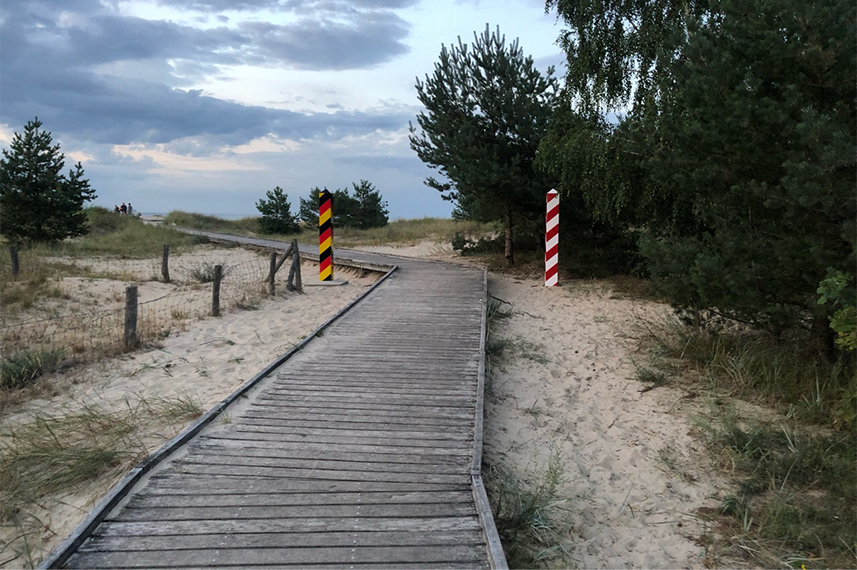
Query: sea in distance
point(221, 216)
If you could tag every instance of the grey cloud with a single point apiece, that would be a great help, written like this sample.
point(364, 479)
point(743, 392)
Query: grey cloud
point(50, 71)
point(300, 6)
point(309, 44)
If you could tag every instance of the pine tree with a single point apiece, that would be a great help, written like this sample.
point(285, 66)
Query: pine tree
point(487, 108)
point(276, 213)
point(371, 209)
point(37, 201)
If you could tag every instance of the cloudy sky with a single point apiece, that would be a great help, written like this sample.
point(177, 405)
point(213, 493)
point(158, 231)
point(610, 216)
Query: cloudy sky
point(204, 105)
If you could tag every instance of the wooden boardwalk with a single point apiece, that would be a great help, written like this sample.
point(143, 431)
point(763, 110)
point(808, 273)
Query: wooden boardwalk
point(360, 451)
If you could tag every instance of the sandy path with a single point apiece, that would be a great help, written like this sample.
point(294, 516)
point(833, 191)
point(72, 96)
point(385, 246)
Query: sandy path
point(633, 475)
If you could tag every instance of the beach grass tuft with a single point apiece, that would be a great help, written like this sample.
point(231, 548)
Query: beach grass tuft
point(528, 517)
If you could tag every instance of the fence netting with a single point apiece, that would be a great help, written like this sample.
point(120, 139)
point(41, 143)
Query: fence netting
point(82, 335)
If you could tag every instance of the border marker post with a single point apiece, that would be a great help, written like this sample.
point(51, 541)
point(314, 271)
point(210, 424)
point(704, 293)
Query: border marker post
point(325, 236)
point(552, 239)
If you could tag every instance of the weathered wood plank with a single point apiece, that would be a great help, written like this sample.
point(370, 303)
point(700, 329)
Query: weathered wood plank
point(319, 464)
point(295, 556)
point(283, 540)
point(234, 448)
point(338, 475)
point(299, 499)
point(362, 432)
point(130, 513)
point(288, 525)
point(310, 447)
point(214, 484)
point(463, 413)
point(462, 401)
point(322, 415)
point(389, 389)
point(345, 443)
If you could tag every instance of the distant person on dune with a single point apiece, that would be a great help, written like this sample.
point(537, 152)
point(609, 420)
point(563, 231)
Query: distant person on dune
point(130, 209)
point(123, 208)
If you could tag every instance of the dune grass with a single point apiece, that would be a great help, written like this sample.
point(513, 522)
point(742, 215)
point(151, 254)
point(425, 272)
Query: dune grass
point(21, 368)
point(528, 516)
point(795, 496)
point(244, 226)
point(56, 453)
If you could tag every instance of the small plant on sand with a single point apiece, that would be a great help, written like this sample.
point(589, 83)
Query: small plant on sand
point(21, 368)
point(178, 408)
point(248, 303)
point(527, 517)
point(204, 272)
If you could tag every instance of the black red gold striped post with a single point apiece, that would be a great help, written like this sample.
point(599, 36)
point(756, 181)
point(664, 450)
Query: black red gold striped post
point(325, 236)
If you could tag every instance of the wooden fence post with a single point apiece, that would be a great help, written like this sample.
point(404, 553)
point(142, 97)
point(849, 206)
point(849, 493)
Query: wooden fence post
point(294, 283)
point(165, 264)
point(272, 273)
point(296, 262)
point(13, 254)
point(131, 316)
point(215, 291)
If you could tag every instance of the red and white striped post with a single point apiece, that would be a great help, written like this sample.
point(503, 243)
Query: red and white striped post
point(552, 240)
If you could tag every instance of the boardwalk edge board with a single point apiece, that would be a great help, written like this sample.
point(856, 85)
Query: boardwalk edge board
point(69, 546)
point(483, 506)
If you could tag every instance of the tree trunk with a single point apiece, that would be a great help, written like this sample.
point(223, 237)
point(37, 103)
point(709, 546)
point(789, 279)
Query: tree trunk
point(824, 336)
point(510, 254)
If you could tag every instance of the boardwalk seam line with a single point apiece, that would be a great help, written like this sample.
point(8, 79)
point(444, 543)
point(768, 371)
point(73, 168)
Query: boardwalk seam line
point(78, 536)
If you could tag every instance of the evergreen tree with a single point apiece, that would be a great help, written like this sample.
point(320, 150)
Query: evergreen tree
point(371, 209)
point(759, 134)
point(276, 213)
point(487, 108)
point(37, 201)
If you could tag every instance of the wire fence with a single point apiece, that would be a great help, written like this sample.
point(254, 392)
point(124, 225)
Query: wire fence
point(85, 335)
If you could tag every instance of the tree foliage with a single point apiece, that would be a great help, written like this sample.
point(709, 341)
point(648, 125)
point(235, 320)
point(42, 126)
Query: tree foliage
point(738, 156)
point(277, 217)
point(487, 109)
point(366, 208)
point(620, 53)
point(37, 201)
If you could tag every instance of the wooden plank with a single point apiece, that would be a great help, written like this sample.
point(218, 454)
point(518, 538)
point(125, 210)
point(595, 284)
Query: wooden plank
point(378, 389)
point(220, 484)
point(336, 475)
point(345, 443)
point(309, 428)
point(381, 398)
point(299, 499)
point(426, 412)
point(322, 415)
point(202, 514)
point(320, 464)
point(375, 566)
point(283, 540)
point(275, 451)
point(302, 525)
point(310, 447)
point(294, 556)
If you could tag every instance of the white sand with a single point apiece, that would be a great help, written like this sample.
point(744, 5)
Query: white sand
point(634, 478)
